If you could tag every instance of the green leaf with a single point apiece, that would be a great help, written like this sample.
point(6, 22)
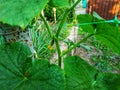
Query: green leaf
point(106, 33)
point(13, 64)
point(97, 16)
point(108, 81)
point(43, 76)
point(20, 12)
point(19, 73)
point(79, 74)
point(111, 81)
point(85, 19)
point(59, 3)
point(109, 36)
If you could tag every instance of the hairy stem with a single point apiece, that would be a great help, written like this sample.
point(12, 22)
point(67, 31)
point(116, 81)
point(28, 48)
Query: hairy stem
point(62, 22)
point(58, 51)
point(77, 44)
point(47, 25)
point(76, 3)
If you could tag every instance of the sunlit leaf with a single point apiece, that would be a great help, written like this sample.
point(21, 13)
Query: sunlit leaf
point(97, 16)
point(20, 12)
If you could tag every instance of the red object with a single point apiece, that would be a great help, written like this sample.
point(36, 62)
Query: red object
point(105, 8)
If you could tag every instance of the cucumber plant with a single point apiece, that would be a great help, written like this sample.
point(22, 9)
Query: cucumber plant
point(19, 72)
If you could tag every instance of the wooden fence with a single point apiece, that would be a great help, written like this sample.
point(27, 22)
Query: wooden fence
point(105, 8)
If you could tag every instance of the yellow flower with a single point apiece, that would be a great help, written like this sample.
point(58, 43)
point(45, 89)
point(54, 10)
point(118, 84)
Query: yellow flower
point(50, 47)
point(74, 21)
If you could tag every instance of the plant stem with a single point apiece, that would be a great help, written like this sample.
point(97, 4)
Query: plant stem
point(76, 3)
point(65, 17)
point(47, 25)
point(58, 51)
point(77, 44)
point(62, 22)
point(60, 28)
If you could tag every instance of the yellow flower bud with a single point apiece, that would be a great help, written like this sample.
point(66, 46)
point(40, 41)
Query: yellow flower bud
point(74, 21)
point(50, 47)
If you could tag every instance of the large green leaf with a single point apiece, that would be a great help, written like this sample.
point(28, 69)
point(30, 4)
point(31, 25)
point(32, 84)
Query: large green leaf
point(109, 36)
point(108, 81)
point(19, 72)
point(20, 12)
point(104, 32)
point(81, 76)
point(97, 16)
point(59, 3)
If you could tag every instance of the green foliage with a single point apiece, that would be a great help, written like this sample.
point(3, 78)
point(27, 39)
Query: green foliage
point(59, 3)
point(104, 32)
point(49, 14)
point(104, 59)
point(108, 81)
point(111, 81)
point(20, 12)
point(81, 76)
point(2, 40)
point(109, 36)
point(85, 18)
point(97, 16)
point(19, 73)
point(65, 31)
point(41, 40)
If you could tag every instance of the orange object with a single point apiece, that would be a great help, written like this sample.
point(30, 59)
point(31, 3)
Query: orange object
point(105, 8)
point(50, 47)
